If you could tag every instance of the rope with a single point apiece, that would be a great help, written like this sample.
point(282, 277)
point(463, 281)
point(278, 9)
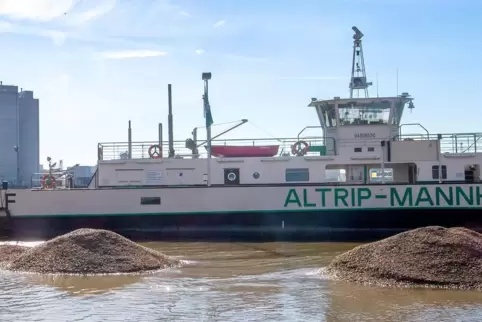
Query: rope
point(263, 130)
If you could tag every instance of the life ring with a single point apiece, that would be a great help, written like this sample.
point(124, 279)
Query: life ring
point(300, 148)
point(155, 151)
point(49, 182)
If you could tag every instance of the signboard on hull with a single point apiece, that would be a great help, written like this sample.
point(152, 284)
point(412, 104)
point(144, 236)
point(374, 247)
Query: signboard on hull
point(363, 132)
point(436, 196)
point(364, 135)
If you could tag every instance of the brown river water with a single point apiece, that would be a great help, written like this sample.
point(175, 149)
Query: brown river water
point(229, 282)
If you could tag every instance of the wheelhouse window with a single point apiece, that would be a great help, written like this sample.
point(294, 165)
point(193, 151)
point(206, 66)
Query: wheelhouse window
point(397, 112)
point(297, 174)
point(329, 115)
point(363, 114)
point(435, 172)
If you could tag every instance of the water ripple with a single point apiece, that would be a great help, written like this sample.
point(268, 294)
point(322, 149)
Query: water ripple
point(228, 282)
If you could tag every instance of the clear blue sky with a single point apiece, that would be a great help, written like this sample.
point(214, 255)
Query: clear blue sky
point(95, 64)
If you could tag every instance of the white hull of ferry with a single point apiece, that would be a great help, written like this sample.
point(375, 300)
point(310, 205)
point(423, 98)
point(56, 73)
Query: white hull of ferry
point(203, 200)
point(246, 213)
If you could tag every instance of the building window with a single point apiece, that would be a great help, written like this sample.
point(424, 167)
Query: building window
point(435, 172)
point(371, 149)
point(297, 174)
point(150, 200)
point(358, 149)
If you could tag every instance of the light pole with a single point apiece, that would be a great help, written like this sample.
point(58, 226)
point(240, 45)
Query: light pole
point(207, 111)
point(16, 148)
point(209, 121)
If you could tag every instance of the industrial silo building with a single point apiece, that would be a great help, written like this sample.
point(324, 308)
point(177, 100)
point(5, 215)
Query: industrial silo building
point(29, 142)
point(9, 165)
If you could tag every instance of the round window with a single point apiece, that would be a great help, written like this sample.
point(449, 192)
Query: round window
point(231, 176)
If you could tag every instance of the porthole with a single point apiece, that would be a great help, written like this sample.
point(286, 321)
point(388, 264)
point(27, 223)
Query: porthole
point(256, 175)
point(231, 176)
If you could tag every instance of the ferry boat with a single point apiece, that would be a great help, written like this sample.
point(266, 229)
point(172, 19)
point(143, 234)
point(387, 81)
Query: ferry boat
point(360, 179)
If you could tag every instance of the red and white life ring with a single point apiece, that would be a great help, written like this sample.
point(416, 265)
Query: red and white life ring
point(49, 182)
point(155, 151)
point(300, 148)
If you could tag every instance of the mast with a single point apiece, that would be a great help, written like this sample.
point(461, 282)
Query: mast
point(358, 75)
point(170, 123)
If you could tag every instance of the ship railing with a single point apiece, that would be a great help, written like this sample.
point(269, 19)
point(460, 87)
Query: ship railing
point(140, 150)
point(37, 180)
point(457, 143)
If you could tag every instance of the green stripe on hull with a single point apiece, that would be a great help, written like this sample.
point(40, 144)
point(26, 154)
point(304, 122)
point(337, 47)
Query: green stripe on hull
point(240, 212)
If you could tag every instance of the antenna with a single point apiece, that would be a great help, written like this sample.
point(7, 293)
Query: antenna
point(129, 140)
point(170, 122)
point(358, 74)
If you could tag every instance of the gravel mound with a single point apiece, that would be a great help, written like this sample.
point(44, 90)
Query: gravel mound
point(423, 257)
point(10, 252)
point(90, 251)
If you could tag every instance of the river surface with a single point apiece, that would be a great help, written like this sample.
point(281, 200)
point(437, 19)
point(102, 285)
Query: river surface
point(229, 282)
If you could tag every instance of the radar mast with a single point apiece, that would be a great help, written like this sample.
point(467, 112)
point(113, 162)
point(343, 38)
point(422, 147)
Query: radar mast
point(358, 75)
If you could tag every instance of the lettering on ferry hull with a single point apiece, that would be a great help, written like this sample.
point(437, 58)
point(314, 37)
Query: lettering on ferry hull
point(384, 197)
point(438, 196)
point(364, 135)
